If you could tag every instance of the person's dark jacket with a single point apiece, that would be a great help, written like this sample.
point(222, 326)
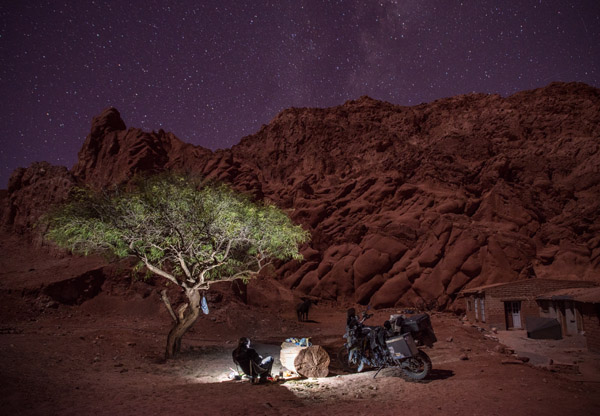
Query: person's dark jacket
point(243, 356)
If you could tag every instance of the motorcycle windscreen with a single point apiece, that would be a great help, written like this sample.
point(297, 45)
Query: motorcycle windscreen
point(402, 346)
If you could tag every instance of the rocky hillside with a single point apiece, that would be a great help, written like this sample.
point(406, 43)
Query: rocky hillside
point(406, 205)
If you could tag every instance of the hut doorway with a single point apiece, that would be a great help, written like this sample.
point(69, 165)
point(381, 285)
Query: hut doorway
point(512, 312)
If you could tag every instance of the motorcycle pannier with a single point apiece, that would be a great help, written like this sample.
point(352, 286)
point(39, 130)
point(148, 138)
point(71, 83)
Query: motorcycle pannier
point(420, 328)
point(402, 346)
point(416, 323)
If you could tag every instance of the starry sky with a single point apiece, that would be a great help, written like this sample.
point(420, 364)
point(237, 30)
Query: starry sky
point(213, 71)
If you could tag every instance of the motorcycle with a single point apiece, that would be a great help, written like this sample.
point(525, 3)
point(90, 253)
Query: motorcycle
point(395, 345)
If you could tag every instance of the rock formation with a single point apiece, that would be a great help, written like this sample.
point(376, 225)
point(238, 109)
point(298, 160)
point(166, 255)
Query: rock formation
point(406, 205)
point(113, 154)
point(31, 191)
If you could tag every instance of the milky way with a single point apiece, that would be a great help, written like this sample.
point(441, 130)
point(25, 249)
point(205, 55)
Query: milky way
point(214, 71)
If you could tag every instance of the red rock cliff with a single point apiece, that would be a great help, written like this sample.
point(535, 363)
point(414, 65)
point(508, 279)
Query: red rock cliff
point(407, 205)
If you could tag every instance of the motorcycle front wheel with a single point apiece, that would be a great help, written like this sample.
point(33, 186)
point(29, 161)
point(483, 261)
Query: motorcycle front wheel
point(347, 364)
point(417, 367)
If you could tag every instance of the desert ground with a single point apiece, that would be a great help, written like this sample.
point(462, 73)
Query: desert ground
point(104, 356)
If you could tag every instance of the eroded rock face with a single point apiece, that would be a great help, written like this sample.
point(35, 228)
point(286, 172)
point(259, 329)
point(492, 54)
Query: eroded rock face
point(113, 154)
point(406, 205)
point(32, 191)
point(469, 190)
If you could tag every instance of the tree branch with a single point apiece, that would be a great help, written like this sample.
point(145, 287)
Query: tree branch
point(182, 310)
point(209, 268)
point(184, 266)
point(162, 273)
point(206, 285)
point(165, 298)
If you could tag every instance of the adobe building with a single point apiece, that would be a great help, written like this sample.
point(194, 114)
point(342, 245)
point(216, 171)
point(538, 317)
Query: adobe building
point(577, 311)
point(506, 305)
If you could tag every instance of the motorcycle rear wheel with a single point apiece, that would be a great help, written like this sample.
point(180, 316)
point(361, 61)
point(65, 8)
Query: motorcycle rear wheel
point(344, 360)
point(417, 367)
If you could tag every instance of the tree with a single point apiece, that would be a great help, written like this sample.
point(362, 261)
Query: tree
point(189, 233)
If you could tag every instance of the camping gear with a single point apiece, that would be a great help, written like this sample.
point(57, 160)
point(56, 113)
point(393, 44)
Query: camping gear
point(204, 305)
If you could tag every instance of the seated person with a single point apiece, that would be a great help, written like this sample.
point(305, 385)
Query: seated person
point(250, 362)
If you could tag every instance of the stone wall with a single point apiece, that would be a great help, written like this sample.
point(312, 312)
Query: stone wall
point(591, 325)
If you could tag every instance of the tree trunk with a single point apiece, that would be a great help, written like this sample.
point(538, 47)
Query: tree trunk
point(312, 361)
point(187, 317)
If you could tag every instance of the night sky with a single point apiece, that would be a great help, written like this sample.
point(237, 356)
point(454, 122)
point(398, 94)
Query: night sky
point(214, 71)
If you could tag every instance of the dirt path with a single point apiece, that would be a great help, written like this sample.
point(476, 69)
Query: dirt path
point(69, 361)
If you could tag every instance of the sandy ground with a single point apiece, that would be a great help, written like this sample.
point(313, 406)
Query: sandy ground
point(105, 357)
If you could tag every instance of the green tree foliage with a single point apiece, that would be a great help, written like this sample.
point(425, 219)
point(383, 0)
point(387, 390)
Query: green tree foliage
point(190, 234)
point(193, 235)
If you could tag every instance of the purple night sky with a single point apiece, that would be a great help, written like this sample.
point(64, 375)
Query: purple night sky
point(214, 71)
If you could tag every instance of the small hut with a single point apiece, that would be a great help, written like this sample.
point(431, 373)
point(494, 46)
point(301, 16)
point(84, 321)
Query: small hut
point(577, 310)
point(507, 305)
